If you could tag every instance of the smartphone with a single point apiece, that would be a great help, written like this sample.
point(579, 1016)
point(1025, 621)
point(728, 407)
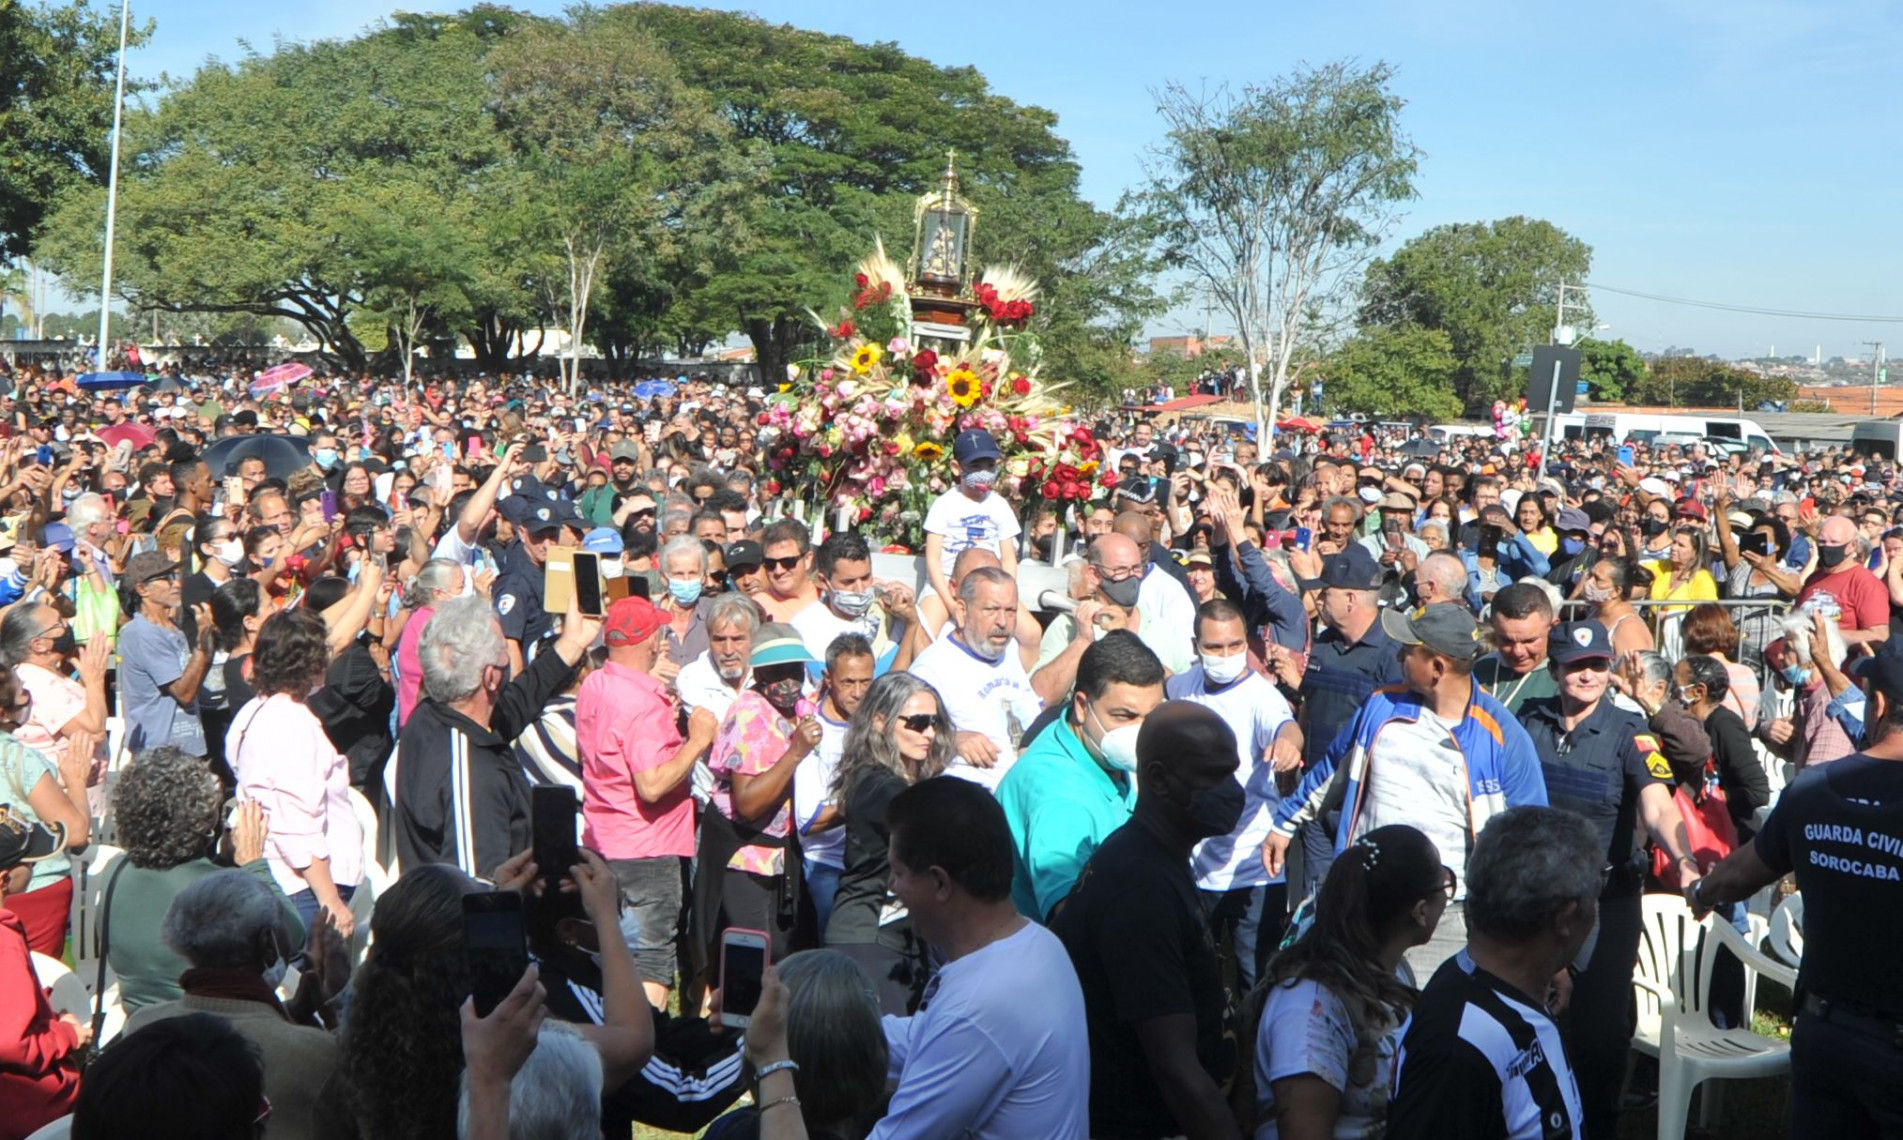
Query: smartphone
point(328, 500)
point(44, 453)
point(1391, 530)
point(552, 816)
point(1490, 537)
point(1757, 542)
point(496, 945)
point(234, 489)
point(1625, 456)
point(1303, 537)
point(743, 955)
point(588, 584)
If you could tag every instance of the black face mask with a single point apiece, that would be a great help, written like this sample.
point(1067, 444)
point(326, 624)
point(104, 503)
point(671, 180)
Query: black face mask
point(1653, 527)
point(1831, 556)
point(1216, 811)
point(65, 644)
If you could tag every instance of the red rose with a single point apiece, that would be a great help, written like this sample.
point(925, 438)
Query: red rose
point(1109, 480)
point(1021, 386)
point(865, 513)
point(861, 280)
point(760, 419)
point(891, 447)
point(1072, 491)
point(845, 330)
point(1065, 473)
point(772, 488)
point(923, 361)
point(1051, 489)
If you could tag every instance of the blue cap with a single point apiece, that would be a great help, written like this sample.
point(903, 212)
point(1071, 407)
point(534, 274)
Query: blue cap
point(1577, 640)
point(59, 536)
point(1353, 569)
point(973, 444)
point(602, 540)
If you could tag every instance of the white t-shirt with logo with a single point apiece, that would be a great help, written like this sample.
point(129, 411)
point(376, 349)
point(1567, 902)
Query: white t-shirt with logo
point(1417, 776)
point(1255, 711)
point(993, 698)
point(964, 524)
point(812, 791)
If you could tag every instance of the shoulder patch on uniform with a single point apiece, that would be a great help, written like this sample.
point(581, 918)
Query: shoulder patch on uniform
point(505, 603)
point(1646, 742)
point(1655, 763)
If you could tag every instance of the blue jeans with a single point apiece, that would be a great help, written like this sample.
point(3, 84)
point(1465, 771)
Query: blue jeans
point(308, 908)
point(822, 885)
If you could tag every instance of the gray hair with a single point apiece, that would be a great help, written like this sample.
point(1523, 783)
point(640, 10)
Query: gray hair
point(86, 510)
point(733, 609)
point(682, 544)
point(461, 640)
point(216, 921)
point(1528, 863)
point(1655, 667)
point(556, 1095)
point(1797, 630)
point(982, 576)
point(670, 514)
point(1446, 570)
point(22, 624)
point(438, 574)
point(868, 746)
point(833, 1031)
point(1335, 501)
point(1433, 524)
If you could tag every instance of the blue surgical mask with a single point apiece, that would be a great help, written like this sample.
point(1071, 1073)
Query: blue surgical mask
point(684, 593)
point(325, 457)
point(1571, 546)
point(1797, 675)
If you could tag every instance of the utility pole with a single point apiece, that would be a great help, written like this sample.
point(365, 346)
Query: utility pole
point(1561, 336)
point(1876, 371)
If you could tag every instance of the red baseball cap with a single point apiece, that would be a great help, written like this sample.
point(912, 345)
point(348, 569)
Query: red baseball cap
point(632, 621)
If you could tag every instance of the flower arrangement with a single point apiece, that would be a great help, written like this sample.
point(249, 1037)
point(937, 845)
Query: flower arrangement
point(866, 431)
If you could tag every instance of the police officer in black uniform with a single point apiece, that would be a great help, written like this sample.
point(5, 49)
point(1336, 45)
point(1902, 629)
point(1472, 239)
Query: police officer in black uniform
point(1839, 827)
point(542, 518)
point(1601, 762)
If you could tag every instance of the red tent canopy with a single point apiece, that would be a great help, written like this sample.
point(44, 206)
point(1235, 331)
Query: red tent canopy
point(1298, 424)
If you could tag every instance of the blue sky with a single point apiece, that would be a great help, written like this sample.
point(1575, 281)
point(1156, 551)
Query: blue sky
point(1742, 152)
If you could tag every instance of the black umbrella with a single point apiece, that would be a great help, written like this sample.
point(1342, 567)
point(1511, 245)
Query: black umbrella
point(1421, 447)
point(283, 455)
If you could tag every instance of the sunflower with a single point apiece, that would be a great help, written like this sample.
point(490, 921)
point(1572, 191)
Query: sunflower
point(928, 451)
point(866, 359)
point(964, 387)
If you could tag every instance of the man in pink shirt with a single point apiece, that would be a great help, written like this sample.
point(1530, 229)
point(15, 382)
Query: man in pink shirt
point(637, 806)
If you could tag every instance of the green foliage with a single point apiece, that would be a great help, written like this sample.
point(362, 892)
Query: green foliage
point(1610, 368)
point(1492, 287)
point(853, 133)
point(58, 65)
point(1700, 382)
point(1393, 371)
point(1268, 197)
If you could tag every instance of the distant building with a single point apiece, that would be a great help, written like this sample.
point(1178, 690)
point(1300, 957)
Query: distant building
point(1187, 347)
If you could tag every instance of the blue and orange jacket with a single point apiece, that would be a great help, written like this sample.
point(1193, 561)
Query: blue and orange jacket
point(1503, 770)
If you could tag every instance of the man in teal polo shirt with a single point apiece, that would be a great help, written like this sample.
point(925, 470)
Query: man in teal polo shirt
point(1075, 784)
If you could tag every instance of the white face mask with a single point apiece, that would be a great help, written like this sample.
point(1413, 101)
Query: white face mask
point(1593, 593)
point(610, 567)
point(230, 552)
point(1119, 745)
point(1223, 670)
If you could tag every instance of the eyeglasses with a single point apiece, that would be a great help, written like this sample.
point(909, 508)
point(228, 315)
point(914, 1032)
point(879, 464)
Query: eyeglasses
point(920, 722)
point(1450, 883)
point(1124, 575)
point(646, 514)
point(717, 577)
point(783, 563)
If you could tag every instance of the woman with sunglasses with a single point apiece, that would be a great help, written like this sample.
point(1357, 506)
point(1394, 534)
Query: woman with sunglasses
point(899, 736)
point(1605, 764)
point(1332, 1003)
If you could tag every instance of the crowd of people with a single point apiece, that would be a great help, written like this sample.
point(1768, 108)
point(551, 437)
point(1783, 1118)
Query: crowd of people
point(1320, 801)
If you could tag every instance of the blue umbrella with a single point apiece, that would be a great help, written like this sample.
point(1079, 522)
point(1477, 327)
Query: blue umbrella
point(107, 381)
point(653, 389)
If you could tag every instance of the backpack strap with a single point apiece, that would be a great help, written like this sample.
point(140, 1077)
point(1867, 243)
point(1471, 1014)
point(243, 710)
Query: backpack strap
point(105, 932)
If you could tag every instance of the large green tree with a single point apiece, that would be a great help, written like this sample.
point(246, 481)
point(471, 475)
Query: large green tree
point(1270, 197)
point(1393, 371)
point(1701, 382)
point(58, 64)
point(253, 187)
point(1492, 287)
point(1609, 368)
point(853, 133)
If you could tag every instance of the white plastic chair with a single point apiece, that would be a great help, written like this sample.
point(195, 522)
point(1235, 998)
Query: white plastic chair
point(91, 868)
point(66, 993)
point(373, 871)
point(1786, 934)
point(1690, 1049)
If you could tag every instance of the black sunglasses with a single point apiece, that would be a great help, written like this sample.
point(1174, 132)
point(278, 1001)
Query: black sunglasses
point(782, 563)
point(718, 577)
point(919, 722)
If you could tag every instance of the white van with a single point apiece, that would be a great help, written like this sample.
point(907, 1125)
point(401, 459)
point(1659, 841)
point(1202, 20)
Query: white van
point(1732, 433)
point(1878, 439)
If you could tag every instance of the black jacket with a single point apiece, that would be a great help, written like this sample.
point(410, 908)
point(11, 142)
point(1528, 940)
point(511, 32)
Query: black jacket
point(461, 795)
